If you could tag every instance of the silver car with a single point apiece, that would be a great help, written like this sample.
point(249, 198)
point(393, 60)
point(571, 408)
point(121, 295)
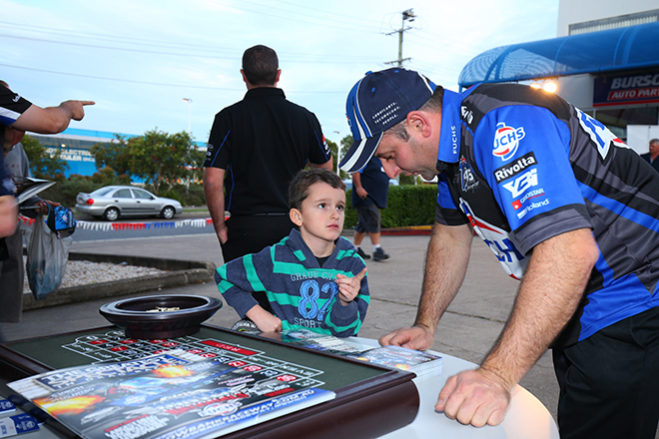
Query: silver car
point(112, 202)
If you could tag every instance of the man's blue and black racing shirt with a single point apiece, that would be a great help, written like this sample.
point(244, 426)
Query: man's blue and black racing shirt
point(522, 166)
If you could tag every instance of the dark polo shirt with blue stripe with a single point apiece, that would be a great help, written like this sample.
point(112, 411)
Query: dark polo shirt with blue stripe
point(262, 142)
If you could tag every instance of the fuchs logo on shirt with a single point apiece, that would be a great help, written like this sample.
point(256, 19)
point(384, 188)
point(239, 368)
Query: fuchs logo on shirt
point(516, 167)
point(506, 141)
point(467, 178)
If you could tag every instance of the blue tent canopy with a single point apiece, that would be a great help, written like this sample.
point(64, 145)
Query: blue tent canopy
point(633, 47)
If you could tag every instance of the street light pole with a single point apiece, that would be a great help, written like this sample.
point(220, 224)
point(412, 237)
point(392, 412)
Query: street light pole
point(188, 101)
point(407, 15)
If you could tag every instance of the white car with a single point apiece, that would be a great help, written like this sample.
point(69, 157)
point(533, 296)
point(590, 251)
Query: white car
point(113, 202)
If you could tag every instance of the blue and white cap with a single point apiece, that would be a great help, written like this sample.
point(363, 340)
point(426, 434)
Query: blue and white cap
point(376, 103)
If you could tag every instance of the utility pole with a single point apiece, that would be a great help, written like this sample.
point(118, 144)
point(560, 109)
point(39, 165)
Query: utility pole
point(407, 15)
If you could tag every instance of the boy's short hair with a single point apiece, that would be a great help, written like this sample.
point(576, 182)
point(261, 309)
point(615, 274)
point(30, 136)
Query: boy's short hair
point(260, 65)
point(298, 190)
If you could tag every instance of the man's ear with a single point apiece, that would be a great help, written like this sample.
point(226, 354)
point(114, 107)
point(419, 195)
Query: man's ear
point(242, 73)
point(419, 122)
point(277, 77)
point(296, 216)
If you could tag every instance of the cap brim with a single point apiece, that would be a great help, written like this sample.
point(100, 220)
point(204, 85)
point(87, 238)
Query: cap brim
point(360, 153)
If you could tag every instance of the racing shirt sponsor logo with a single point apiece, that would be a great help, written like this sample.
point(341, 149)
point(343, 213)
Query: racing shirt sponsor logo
point(535, 205)
point(454, 139)
point(467, 178)
point(498, 240)
point(599, 134)
point(513, 169)
point(506, 140)
point(517, 204)
point(522, 183)
point(467, 114)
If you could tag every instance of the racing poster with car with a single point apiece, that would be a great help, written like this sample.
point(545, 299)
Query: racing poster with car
point(174, 394)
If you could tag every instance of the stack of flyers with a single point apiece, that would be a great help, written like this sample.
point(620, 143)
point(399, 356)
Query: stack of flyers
point(170, 395)
point(325, 343)
point(420, 362)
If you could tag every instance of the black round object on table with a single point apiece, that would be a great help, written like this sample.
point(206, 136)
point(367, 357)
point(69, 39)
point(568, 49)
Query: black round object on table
point(160, 317)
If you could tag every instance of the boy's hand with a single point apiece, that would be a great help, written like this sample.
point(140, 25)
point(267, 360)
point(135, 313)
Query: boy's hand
point(349, 286)
point(264, 320)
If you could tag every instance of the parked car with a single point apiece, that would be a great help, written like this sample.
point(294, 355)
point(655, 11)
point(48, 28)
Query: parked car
point(113, 202)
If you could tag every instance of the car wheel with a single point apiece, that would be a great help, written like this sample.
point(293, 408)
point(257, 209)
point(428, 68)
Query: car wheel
point(168, 212)
point(111, 214)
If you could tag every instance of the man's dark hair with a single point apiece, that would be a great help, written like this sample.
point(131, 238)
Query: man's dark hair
point(260, 65)
point(298, 190)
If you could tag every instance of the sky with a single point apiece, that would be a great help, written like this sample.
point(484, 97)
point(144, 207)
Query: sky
point(172, 65)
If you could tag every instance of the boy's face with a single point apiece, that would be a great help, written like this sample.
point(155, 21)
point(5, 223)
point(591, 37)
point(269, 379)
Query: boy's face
point(321, 216)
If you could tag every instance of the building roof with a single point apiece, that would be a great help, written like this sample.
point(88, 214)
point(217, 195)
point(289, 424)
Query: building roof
point(633, 47)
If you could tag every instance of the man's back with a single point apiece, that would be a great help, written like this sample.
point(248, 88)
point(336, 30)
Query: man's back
point(262, 142)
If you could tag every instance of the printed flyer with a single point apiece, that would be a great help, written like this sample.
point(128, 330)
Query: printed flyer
point(174, 394)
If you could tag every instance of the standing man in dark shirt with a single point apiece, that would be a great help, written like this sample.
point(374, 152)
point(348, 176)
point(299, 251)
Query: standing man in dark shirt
point(255, 148)
point(370, 188)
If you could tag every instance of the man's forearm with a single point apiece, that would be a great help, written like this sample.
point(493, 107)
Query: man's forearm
point(215, 205)
point(214, 192)
point(51, 120)
point(548, 296)
point(446, 264)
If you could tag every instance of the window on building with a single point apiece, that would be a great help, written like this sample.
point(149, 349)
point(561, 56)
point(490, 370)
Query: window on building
point(614, 22)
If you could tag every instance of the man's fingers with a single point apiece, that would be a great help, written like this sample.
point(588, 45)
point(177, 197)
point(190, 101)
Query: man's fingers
point(385, 339)
point(87, 102)
point(361, 274)
point(446, 391)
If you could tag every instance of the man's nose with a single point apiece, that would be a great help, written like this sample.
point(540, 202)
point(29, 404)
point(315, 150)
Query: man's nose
point(391, 169)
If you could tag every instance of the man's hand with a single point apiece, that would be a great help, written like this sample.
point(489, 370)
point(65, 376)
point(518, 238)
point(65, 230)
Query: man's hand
point(475, 397)
point(44, 206)
point(8, 215)
point(51, 120)
point(76, 108)
point(361, 192)
point(416, 337)
point(222, 232)
point(349, 286)
point(264, 320)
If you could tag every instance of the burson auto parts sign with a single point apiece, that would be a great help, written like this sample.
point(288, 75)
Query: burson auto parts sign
point(627, 89)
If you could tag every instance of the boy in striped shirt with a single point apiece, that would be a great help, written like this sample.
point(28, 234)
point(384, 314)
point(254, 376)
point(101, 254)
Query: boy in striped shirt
point(314, 279)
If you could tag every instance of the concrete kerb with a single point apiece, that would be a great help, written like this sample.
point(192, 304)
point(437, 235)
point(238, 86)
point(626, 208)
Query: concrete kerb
point(179, 273)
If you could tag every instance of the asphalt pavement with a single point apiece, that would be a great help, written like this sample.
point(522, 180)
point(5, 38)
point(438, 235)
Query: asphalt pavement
point(467, 330)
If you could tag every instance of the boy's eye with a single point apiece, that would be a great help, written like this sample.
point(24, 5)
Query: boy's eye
point(321, 205)
point(340, 207)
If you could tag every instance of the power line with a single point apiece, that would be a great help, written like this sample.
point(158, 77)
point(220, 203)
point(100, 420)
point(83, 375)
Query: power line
point(159, 84)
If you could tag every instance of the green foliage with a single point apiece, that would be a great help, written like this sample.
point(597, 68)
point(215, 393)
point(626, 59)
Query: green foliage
point(406, 206)
point(43, 164)
point(193, 195)
point(114, 155)
point(64, 192)
point(157, 157)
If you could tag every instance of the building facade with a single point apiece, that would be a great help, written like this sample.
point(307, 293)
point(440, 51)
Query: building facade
point(605, 60)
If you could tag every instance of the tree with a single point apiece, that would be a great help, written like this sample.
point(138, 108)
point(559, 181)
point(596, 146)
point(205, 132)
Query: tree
point(157, 157)
point(43, 163)
point(116, 155)
point(346, 143)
